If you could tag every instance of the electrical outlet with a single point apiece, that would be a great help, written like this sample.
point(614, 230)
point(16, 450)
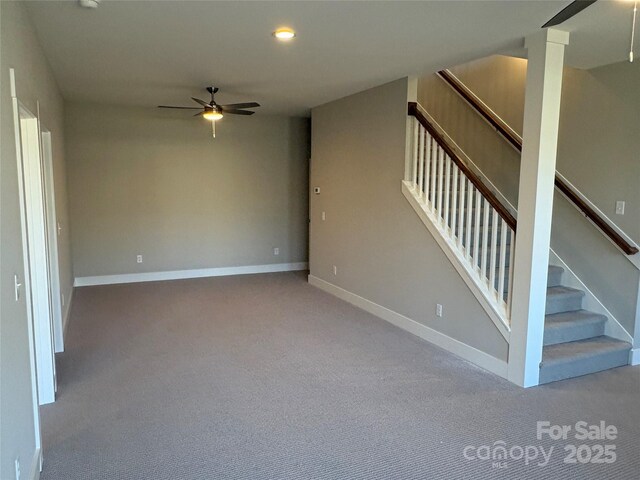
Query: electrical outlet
point(438, 310)
point(335, 270)
point(620, 207)
point(17, 466)
point(139, 259)
point(276, 251)
point(324, 216)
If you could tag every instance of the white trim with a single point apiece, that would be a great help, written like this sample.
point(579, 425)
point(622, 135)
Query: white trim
point(67, 312)
point(467, 352)
point(634, 356)
point(451, 251)
point(634, 259)
point(183, 274)
point(612, 326)
point(36, 465)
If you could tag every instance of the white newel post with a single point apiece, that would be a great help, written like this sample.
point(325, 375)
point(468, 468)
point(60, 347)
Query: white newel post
point(535, 202)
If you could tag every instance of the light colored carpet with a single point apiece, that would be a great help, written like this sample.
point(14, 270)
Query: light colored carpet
point(267, 377)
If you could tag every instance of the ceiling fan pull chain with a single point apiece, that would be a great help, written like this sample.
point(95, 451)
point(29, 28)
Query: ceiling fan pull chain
point(633, 29)
point(213, 128)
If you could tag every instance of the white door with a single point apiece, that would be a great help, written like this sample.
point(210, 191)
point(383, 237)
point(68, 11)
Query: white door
point(52, 240)
point(35, 231)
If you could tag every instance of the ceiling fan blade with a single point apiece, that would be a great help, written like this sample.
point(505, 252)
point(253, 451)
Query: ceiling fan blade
point(236, 106)
point(184, 108)
point(199, 114)
point(201, 102)
point(239, 112)
point(569, 11)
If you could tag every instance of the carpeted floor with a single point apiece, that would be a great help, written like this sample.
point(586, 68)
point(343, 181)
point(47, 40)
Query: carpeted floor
point(267, 377)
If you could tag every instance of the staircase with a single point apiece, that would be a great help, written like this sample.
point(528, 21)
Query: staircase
point(574, 339)
point(478, 233)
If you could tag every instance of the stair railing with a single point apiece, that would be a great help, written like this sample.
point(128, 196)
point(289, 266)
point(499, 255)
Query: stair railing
point(476, 225)
point(516, 142)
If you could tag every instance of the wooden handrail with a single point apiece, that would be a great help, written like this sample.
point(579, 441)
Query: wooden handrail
point(510, 136)
point(473, 178)
point(495, 121)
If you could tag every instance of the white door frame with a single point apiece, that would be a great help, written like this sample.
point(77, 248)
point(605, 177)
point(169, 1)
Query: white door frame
point(35, 247)
point(32, 352)
point(52, 239)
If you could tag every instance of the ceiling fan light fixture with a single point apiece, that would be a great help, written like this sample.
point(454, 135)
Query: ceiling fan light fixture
point(212, 115)
point(284, 34)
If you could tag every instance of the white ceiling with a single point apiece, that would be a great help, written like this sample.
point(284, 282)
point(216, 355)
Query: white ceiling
point(162, 52)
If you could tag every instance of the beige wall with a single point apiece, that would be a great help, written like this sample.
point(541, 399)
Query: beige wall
point(20, 50)
point(154, 182)
point(598, 150)
point(380, 247)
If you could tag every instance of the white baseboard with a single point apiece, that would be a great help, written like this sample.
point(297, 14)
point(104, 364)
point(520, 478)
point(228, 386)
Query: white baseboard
point(184, 274)
point(473, 355)
point(634, 356)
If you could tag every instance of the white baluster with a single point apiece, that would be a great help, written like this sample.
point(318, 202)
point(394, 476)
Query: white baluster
point(421, 160)
point(440, 175)
point(476, 228)
point(447, 190)
point(427, 165)
point(454, 199)
point(434, 174)
point(463, 184)
point(470, 194)
point(503, 251)
point(512, 249)
point(414, 163)
point(485, 231)
point(494, 250)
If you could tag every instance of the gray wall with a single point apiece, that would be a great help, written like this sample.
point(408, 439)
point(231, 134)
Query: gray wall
point(20, 50)
point(598, 149)
point(154, 182)
point(382, 250)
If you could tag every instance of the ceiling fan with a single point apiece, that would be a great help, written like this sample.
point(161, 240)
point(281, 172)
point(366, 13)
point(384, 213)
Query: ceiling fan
point(567, 12)
point(212, 111)
point(577, 6)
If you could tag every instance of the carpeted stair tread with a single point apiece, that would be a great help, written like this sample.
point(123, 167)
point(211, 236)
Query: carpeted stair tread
point(563, 299)
point(573, 359)
point(554, 277)
point(572, 326)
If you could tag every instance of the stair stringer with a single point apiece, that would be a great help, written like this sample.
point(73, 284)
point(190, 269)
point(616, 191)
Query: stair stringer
point(451, 251)
point(612, 327)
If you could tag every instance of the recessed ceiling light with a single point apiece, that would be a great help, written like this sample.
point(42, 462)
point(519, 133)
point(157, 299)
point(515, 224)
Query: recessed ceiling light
point(284, 34)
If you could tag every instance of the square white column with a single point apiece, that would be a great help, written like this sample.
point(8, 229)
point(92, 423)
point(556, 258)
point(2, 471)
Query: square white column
point(535, 203)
